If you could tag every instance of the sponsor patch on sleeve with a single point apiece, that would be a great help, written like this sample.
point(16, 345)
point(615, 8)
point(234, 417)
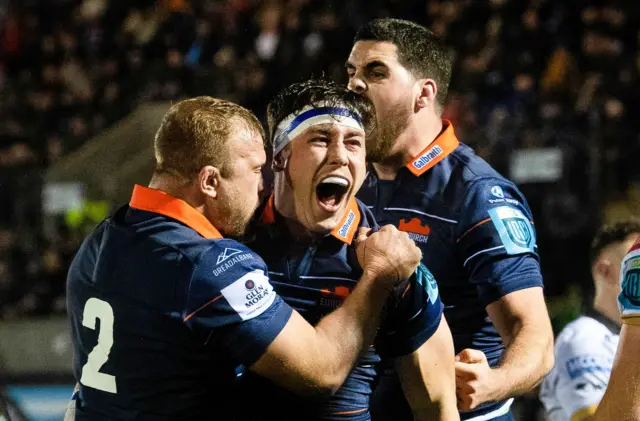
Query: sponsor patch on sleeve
point(629, 298)
point(514, 228)
point(250, 295)
point(428, 282)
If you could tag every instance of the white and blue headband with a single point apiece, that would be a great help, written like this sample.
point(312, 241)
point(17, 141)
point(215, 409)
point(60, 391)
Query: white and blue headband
point(320, 113)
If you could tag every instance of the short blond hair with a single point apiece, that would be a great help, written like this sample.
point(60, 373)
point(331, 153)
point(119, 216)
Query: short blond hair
point(194, 134)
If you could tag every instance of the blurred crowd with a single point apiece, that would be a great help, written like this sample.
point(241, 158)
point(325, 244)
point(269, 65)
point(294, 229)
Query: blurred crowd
point(528, 74)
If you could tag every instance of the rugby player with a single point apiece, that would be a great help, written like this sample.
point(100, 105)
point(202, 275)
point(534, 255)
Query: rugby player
point(305, 233)
point(163, 308)
point(585, 349)
point(474, 227)
point(622, 398)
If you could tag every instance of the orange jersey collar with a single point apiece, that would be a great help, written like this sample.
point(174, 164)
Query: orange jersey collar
point(437, 150)
point(345, 231)
point(157, 201)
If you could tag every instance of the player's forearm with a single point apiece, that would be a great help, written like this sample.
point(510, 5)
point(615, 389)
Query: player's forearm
point(428, 378)
point(622, 399)
point(349, 330)
point(525, 361)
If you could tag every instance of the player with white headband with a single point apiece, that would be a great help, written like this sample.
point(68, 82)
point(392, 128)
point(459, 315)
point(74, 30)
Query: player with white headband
point(306, 233)
point(318, 198)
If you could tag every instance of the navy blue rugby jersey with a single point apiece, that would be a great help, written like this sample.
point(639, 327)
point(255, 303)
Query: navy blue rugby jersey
point(315, 279)
point(162, 310)
point(476, 233)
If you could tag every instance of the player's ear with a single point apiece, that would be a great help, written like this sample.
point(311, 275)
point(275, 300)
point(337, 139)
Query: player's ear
point(281, 160)
point(208, 180)
point(602, 270)
point(427, 91)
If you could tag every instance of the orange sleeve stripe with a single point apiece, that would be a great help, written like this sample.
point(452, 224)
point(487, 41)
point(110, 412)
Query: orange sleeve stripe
point(355, 411)
point(472, 228)
point(210, 302)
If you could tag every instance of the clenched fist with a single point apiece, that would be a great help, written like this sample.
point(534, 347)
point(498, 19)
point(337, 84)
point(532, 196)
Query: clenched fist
point(388, 254)
point(476, 382)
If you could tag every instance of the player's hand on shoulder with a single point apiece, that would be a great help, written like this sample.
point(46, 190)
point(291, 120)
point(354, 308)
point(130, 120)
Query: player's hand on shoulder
point(388, 254)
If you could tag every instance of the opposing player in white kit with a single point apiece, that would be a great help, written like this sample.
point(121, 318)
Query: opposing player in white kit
point(585, 349)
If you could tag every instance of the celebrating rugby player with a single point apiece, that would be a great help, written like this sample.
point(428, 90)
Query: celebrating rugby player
point(474, 227)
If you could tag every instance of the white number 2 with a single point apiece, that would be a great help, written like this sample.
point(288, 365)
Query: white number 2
point(91, 376)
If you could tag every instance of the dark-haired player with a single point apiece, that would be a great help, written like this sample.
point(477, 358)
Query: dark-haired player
point(585, 348)
point(305, 236)
point(474, 226)
point(163, 308)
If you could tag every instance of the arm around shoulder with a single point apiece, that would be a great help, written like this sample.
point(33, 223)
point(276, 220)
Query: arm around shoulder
point(317, 360)
point(307, 359)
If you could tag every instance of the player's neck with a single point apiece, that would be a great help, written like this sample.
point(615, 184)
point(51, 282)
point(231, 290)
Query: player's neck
point(300, 235)
point(419, 134)
point(178, 188)
point(608, 306)
point(286, 213)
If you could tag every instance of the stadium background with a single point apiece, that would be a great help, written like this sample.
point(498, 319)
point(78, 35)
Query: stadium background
point(545, 90)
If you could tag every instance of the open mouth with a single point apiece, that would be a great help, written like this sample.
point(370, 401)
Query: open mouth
point(331, 191)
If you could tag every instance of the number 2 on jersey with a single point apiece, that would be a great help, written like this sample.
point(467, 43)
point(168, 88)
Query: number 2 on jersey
point(96, 309)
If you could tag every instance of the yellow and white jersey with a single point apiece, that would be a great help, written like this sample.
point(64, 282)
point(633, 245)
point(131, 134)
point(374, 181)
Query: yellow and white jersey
point(584, 353)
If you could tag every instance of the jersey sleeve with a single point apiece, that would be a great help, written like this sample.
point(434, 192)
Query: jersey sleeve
point(496, 240)
point(412, 315)
point(629, 298)
point(233, 304)
point(582, 375)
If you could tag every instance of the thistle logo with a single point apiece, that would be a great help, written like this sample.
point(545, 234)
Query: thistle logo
point(417, 232)
point(226, 254)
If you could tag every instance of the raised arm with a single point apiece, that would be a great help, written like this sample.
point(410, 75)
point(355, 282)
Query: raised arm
point(622, 398)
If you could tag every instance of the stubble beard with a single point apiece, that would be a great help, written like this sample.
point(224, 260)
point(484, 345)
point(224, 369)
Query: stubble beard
point(387, 131)
point(236, 215)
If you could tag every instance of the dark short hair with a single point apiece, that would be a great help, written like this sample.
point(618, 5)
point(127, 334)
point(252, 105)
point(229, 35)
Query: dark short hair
point(419, 50)
point(194, 133)
point(309, 93)
point(611, 234)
